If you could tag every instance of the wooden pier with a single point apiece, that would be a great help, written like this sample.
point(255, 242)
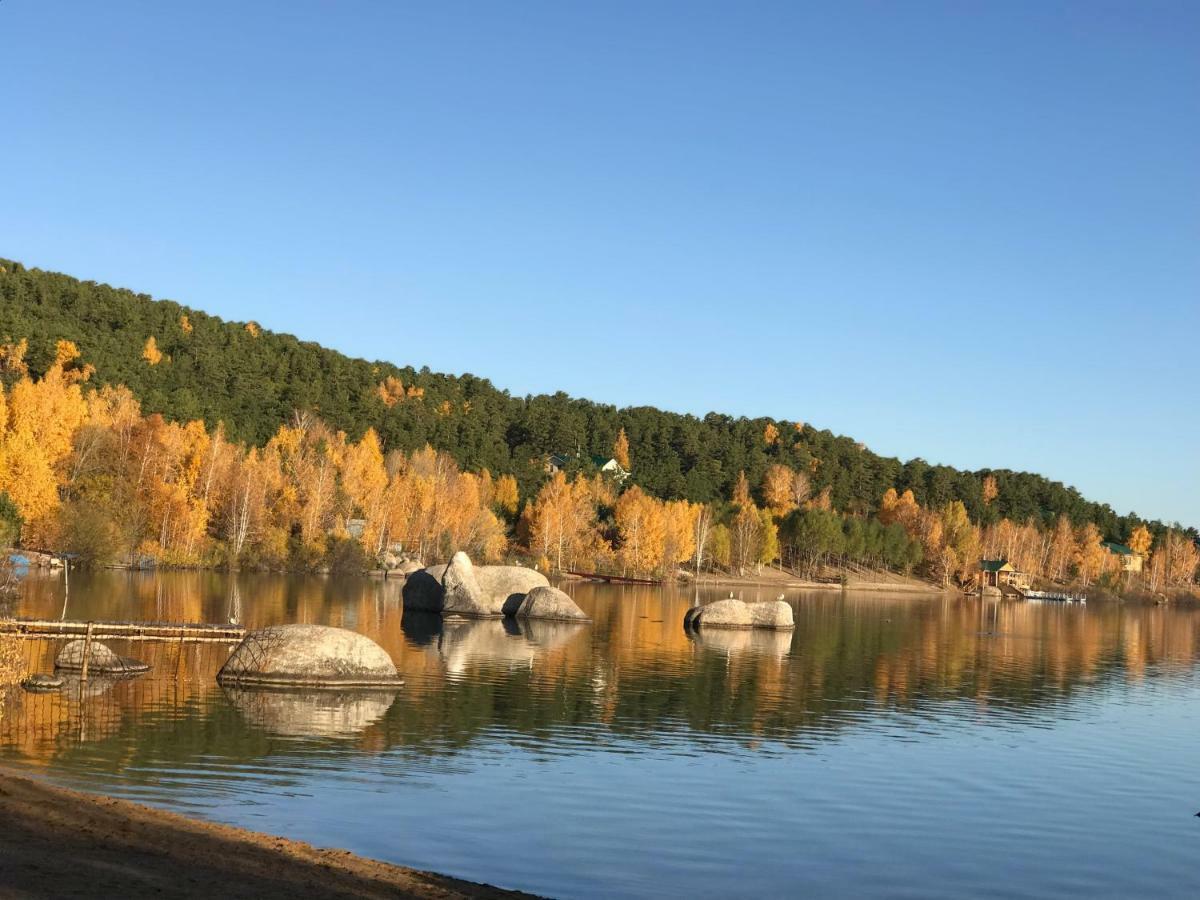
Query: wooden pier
point(185, 632)
point(1054, 596)
point(613, 579)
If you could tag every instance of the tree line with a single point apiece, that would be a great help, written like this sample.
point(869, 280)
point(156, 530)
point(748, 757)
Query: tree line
point(187, 365)
point(238, 382)
point(85, 469)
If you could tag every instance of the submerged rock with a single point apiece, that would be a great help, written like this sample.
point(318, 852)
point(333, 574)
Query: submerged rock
point(734, 613)
point(101, 658)
point(309, 655)
point(39, 683)
point(550, 603)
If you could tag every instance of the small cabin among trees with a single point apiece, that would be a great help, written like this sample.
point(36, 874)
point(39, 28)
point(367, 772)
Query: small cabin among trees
point(1129, 561)
point(607, 465)
point(1001, 573)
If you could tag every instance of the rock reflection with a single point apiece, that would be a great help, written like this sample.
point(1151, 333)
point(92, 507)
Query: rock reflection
point(465, 641)
point(634, 670)
point(322, 713)
point(750, 641)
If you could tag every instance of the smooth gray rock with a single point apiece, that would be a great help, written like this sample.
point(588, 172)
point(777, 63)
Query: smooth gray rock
point(550, 603)
point(772, 614)
point(101, 658)
point(309, 656)
point(506, 586)
point(734, 613)
point(728, 613)
point(409, 566)
point(462, 595)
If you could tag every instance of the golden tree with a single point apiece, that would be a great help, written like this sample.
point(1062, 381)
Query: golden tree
point(1061, 550)
point(1089, 553)
point(747, 526)
point(641, 526)
point(784, 489)
point(562, 521)
point(150, 351)
point(1140, 541)
point(679, 526)
point(365, 483)
point(505, 496)
point(390, 391)
point(990, 489)
point(621, 450)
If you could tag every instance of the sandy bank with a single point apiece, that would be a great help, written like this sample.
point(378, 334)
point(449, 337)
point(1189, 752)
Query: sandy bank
point(61, 843)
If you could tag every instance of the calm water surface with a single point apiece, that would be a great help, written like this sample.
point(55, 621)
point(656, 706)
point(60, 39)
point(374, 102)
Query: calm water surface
point(891, 746)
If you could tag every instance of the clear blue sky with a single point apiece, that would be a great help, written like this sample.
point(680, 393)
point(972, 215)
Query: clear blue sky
point(963, 231)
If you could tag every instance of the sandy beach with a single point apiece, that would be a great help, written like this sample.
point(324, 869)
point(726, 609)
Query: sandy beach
point(61, 843)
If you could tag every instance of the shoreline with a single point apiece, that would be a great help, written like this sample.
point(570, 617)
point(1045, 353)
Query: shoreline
point(61, 842)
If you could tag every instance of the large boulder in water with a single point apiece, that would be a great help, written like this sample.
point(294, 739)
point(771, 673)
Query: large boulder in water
point(772, 614)
point(506, 586)
point(461, 593)
point(550, 603)
point(734, 613)
point(101, 658)
point(422, 590)
point(309, 656)
point(729, 613)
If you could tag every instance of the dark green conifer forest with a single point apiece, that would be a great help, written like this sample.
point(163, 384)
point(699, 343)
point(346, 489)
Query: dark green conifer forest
point(253, 380)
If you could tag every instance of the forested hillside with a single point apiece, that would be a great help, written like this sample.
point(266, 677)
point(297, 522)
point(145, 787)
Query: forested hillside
point(188, 365)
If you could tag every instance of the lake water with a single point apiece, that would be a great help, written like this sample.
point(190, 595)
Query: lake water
point(893, 745)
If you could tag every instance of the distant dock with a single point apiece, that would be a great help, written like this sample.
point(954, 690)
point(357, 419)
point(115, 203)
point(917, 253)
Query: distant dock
point(187, 632)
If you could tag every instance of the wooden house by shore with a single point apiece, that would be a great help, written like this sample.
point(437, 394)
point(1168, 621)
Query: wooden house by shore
point(1000, 573)
point(1129, 561)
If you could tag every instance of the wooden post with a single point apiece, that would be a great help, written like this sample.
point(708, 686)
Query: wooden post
point(87, 652)
point(179, 653)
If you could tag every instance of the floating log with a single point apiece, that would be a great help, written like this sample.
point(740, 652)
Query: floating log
point(192, 632)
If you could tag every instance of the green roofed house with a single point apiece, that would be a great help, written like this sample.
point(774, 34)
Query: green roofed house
point(1130, 561)
point(999, 573)
point(606, 464)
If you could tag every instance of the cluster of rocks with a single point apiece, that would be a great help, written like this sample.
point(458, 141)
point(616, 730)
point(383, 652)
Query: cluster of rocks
point(734, 613)
point(399, 563)
point(460, 588)
point(31, 559)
